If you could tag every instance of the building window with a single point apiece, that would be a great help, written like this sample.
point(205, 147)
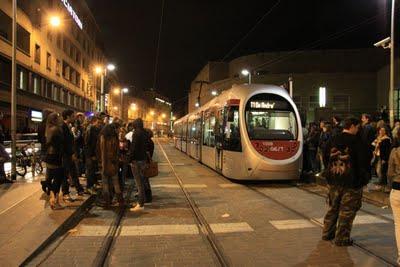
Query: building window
point(23, 39)
point(58, 67)
point(59, 40)
point(78, 79)
point(22, 79)
point(36, 85)
point(37, 53)
point(48, 61)
point(65, 100)
point(66, 71)
point(73, 76)
point(5, 26)
point(55, 93)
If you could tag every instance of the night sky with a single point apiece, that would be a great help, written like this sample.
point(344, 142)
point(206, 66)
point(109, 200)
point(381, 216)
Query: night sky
point(197, 31)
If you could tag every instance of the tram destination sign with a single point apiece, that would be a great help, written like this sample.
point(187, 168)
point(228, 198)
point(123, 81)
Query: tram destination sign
point(73, 14)
point(264, 104)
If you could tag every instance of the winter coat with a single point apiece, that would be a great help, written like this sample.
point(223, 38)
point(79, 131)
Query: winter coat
point(109, 148)
point(394, 165)
point(137, 151)
point(382, 147)
point(54, 147)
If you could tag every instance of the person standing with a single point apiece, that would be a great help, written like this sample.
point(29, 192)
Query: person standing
point(138, 159)
point(54, 158)
point(312, 147)
point(394, 176)
point(336, 125)
point(91, 163)
point(4, 157)
point(69, 168)
point(382, 146)
point(108, 148)
point(42, 140)
point(345, 177)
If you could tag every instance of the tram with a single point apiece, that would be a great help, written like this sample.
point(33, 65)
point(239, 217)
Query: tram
point(249, 132)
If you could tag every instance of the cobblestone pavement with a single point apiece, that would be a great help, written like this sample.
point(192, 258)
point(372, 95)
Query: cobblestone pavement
point(250, 228)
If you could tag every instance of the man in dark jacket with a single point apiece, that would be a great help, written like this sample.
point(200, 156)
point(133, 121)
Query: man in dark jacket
point(138, 158)
point(69, 167)
point(368, 135)
point(345, 177)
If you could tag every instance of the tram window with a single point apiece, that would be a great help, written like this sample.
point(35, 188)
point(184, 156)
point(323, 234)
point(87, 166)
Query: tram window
point(209, 137)
point(184, 131)
point(232, 130)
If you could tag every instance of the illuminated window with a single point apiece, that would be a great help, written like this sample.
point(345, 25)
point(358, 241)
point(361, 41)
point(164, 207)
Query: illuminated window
point(48, 61)
point(37, 53)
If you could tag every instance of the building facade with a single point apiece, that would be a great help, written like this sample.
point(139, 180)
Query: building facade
point(356, 80)
point(54, 63)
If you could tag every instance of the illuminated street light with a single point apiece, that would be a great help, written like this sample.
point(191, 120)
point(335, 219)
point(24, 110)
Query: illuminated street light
point(111, 67)
point(125, 90)
point(214, 92)
point(98, 70)
point(152, 113)
point(133, 107)
point(197, 105)
point(173, 118)
point(116, 91)
point(246, 72)
point(163, 116)
point(322, 97)
point(55, 21)
point(115, 108)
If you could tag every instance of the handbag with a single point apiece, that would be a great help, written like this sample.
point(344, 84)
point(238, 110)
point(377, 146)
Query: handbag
point(151, 169)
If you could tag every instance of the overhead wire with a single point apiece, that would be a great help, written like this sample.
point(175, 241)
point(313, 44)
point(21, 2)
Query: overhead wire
point(158, 45)
point(266, 14)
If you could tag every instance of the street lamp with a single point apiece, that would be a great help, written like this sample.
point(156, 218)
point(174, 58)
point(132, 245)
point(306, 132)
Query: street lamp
point(101, 70)
point(214, 92)
point(122, 92)
point(55, 21)
point(246, 72)
point(163, 115)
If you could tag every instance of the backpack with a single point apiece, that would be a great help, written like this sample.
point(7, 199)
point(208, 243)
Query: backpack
point(340, 165)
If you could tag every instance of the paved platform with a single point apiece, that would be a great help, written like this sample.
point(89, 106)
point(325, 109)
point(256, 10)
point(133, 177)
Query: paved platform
point(26, 219)
point(253, 225)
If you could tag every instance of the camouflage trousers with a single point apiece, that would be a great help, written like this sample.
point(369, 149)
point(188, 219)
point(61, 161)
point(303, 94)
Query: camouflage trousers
point(343, 206)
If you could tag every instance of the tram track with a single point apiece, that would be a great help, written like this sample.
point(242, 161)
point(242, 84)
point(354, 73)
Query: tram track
point(103, 252)
point(204, 226)
point(319, 224)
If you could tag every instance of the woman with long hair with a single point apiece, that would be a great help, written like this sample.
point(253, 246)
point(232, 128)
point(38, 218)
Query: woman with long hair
point(382, 146)
point(53, 157)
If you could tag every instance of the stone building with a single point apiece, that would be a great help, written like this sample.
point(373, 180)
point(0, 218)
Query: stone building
point(54, 63)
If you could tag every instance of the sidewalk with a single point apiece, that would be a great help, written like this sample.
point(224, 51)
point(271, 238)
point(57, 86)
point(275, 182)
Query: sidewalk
point(27, 220)
point(371, 195)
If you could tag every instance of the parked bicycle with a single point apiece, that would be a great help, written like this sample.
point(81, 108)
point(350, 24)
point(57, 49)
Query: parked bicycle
point(26, 157)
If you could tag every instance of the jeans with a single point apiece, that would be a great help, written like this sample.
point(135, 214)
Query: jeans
point(142, 183)
point(70, 170)
point(55, 178)
point(395, 204)
point(107, 181)
point(90, 172)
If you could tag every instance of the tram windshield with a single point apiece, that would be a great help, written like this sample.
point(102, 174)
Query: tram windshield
point(270, 117)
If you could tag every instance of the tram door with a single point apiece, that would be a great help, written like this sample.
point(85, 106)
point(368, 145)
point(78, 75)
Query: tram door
point(218, 131)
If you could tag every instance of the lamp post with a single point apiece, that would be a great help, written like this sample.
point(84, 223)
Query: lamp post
point(100, 70)
point(14, 93)
point(391, 90)
point(246, 72)
point(123, 91)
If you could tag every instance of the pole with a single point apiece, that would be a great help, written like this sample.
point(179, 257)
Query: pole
point(291, 86)
point(249, 77)
point(391, 90)
point(14, 93)
point(102, 96)
point(121, 103)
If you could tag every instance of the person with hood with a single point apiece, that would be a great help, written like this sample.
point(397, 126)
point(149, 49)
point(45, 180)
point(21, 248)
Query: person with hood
point(54, 158)
point(109, 161)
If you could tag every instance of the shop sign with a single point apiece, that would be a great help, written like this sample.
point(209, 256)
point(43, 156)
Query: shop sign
point(36, 116)
point(72, 13)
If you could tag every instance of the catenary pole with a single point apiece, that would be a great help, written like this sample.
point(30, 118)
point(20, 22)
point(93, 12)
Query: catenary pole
point(14, 92)
point(392, 47)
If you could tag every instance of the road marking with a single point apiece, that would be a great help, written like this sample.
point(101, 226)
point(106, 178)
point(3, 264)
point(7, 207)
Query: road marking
point(363, 219)
point(229, 185)
point(222, 228)
point(151, 230)
point(292, 224)
point(177, 186)
point(162, 229)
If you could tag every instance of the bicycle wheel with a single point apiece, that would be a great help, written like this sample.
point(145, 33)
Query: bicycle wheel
point(21, 170)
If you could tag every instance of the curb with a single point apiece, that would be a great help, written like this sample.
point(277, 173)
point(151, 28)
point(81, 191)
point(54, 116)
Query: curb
point(74, 218)
point(376, 198)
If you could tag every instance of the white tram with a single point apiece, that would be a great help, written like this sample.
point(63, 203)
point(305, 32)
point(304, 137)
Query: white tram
point(249, 132)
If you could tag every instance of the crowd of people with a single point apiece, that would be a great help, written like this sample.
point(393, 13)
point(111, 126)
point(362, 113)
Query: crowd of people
point(74, 146)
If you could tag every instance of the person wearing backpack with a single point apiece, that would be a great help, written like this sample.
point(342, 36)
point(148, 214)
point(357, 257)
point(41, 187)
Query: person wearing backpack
point(346, 175)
